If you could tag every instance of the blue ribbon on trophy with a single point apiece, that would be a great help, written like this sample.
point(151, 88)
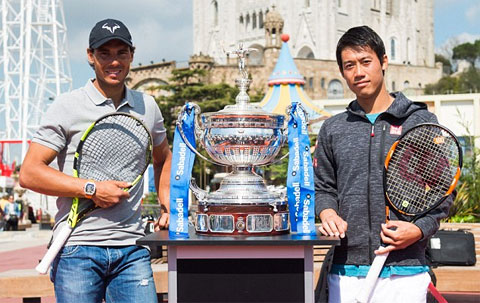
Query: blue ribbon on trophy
point(181, 173)
point(300, 183)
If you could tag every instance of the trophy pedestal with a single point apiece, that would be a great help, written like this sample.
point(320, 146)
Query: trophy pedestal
point(252, 220)
point(239, 269)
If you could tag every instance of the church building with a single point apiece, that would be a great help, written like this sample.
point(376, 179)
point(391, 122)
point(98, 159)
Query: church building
point(314, 27)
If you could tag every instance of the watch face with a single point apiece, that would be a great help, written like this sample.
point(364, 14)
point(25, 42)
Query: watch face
point(89, 188)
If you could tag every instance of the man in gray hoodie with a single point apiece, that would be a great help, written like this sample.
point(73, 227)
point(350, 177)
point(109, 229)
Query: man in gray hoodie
point(348, 164)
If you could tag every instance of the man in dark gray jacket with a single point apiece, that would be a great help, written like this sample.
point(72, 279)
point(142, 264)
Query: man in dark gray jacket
point(348, 163)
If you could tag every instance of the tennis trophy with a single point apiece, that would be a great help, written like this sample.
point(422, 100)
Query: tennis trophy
point(241, 136)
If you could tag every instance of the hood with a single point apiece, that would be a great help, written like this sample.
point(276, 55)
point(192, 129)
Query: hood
point(400, 108)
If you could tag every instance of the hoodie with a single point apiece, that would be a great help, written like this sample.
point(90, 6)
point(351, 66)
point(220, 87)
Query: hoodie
point(348, 164)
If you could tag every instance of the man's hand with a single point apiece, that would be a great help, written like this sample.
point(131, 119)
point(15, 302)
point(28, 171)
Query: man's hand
point(109, 193)
point(398, 235)
point(332, 224)
point(162, 222)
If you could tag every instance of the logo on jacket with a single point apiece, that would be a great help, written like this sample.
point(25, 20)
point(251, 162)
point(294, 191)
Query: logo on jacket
point(111, 29)
point(395, 130)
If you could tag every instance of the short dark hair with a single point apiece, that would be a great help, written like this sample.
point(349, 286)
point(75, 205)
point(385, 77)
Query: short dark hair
point(360, 37)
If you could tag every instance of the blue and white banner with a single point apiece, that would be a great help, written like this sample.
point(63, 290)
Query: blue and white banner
point(300, 183)
point(180, 175)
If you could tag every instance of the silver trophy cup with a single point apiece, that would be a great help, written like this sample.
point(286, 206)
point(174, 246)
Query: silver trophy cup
point(241, 136)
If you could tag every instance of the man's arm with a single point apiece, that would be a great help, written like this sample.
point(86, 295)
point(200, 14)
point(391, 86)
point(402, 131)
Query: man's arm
point(35, 174)
point(162, 162)
point(326, 204)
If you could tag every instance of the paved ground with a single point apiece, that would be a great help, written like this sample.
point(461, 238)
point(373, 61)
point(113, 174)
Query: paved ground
point(23, 250)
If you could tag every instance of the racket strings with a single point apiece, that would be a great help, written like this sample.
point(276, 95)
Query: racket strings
point(115, 149)
point(421, 169)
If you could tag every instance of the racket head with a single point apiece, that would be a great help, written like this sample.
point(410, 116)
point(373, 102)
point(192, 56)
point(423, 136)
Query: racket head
point(422, 168)
point(118, 146)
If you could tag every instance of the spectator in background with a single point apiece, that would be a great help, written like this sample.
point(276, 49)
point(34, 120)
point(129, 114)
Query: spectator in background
point(3, 202)
point(31, 214)
point(2, 219)
point(11, 214)
point(20, 207)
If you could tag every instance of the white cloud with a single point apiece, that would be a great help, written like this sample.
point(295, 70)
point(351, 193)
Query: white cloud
point(473, 13)
point(446, 48)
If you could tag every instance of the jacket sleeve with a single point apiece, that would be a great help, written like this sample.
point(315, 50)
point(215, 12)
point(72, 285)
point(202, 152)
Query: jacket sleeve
point(325, 176)
point(430, 223)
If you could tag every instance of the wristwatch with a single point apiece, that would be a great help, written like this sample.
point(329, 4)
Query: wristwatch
point(89, 189)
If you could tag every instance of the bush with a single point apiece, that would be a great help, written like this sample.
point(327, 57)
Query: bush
point(466, 207)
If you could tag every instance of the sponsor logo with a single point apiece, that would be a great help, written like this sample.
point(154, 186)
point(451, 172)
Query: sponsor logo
point(395, 130)
point(180, 220)
point(111, 29)
point(181, 161)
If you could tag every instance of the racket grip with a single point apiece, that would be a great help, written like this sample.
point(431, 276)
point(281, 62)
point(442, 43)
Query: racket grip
point(371, 278)
point(52, 252)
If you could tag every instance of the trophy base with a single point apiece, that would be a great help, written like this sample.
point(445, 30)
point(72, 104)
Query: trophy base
point(251, 220)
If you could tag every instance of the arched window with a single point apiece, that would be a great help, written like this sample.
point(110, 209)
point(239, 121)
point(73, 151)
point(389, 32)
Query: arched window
point(406, 84)
point(306, 52)
point(247, 21)
point(322, 83)
point(310, 82)
point(260, 20)
point(335, 89)
point(407, 57)
point(254, 20)
point(393, 86)
point(215, 13)
point(393, 49)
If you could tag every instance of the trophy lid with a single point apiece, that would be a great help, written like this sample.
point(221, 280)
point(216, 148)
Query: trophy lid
point(242, 107)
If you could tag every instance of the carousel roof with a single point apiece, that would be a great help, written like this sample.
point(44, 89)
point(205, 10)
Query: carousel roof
point(286, 85)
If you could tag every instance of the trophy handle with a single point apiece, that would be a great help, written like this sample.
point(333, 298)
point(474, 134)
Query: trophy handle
point(288, 110)
point(199, 193)
point(197, 131)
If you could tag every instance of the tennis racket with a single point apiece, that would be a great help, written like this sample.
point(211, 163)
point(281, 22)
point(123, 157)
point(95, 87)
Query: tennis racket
point(118, 147)
point(421, 169)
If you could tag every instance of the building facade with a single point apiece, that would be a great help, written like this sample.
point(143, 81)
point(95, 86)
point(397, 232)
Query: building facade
point(314, 27)
point(406, 27)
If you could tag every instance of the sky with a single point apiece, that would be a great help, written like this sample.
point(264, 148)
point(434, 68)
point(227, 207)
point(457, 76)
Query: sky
point(163, 29)
point(455, 20)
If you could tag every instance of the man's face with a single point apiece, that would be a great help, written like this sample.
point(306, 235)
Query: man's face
point(363, 71)
point(111, 62)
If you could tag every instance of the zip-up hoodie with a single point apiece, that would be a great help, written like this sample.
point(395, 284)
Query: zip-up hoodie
point(348, 164)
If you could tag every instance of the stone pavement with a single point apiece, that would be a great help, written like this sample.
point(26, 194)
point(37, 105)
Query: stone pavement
point(23, 250)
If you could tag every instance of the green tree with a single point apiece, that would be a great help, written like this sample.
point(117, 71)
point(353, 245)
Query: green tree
point(466, 207)
point(447, 65)
point(467, 51)
point(469, 81)
point(445, 85)
point(466, 82)
point(187, 85)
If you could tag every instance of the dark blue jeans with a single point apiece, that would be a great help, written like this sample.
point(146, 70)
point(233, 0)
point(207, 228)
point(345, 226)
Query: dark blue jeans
point(93, 273)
